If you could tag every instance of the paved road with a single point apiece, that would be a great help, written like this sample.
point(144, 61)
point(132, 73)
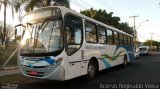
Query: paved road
point(144, 70)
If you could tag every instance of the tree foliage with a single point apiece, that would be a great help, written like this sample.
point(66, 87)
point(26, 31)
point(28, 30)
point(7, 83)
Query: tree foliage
point(29, 5)
point(9, 4)
point(107, 18)
point(154, 43)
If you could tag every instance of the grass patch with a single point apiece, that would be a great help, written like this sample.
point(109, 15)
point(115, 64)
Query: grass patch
point(13, 78)
point(4, 55)
point(13, 61)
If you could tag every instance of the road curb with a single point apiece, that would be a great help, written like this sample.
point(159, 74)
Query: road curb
point(5, 71)
point(10, 68)
point(9, 72)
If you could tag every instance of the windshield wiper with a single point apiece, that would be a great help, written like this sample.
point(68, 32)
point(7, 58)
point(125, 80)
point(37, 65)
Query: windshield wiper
point(46, 20)
point(30, 24)
point(37, 29)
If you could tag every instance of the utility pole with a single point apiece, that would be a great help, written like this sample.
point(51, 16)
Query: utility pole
point(151, 40)
point(158, 44)
point(135, 33)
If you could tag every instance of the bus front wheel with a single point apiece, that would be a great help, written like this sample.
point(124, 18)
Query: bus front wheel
point(91, 71)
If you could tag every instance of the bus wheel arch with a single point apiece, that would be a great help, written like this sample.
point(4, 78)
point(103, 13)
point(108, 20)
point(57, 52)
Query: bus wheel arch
point(92, 69)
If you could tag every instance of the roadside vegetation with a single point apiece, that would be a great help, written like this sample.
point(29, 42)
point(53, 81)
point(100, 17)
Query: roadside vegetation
point(5, 54)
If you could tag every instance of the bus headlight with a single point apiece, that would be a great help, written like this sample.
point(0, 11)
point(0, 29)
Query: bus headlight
point(54, 65)
point(21, 61)
point(48, 67)
point(51, 66)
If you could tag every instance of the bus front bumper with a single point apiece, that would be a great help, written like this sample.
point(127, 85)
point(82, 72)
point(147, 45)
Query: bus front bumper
point(44, 73)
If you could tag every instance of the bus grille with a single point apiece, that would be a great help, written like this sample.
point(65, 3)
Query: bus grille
point(41, 71)
point(39, 74)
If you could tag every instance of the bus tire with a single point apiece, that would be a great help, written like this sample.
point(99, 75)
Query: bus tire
point(91, 70)
point(125, 62)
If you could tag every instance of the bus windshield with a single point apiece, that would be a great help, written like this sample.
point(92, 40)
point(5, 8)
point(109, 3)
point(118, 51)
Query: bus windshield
point(42, 37)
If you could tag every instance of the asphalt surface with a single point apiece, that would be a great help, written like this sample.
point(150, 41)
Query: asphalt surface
point(145, 70)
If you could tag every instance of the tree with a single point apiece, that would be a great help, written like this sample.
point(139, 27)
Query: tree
point(62, 3)
point(6, 3)
point(107, 18)
point(154, 43)
point(102, 16)
point(8, 34)
point(29, 5)
point(126, 28)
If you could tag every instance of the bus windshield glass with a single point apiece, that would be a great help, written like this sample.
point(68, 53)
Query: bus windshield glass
point(43, 33)
point(42, 37)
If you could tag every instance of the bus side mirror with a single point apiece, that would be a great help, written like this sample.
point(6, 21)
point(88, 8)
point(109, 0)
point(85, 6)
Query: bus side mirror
point(17, 37)
point(19, 31)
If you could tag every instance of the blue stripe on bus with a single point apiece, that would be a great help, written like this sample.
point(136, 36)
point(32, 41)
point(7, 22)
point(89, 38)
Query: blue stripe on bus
point(49, 60)
point(128, 49)
point(107, 64)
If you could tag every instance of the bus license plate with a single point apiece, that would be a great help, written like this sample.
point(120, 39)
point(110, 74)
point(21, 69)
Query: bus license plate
point(33, 72)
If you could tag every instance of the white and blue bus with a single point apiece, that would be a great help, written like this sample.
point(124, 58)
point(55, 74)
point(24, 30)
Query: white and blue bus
point(57, 43)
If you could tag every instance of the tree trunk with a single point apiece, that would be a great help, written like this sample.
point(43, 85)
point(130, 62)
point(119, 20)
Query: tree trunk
point(2, 42)
point(4, 30)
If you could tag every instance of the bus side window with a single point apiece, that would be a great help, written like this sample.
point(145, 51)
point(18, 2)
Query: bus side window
point(110, 37)
point(125, 40)
point(102, 35)
point(91, 32)
point(116, 38)
point(129, 40)
point(121, 39)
